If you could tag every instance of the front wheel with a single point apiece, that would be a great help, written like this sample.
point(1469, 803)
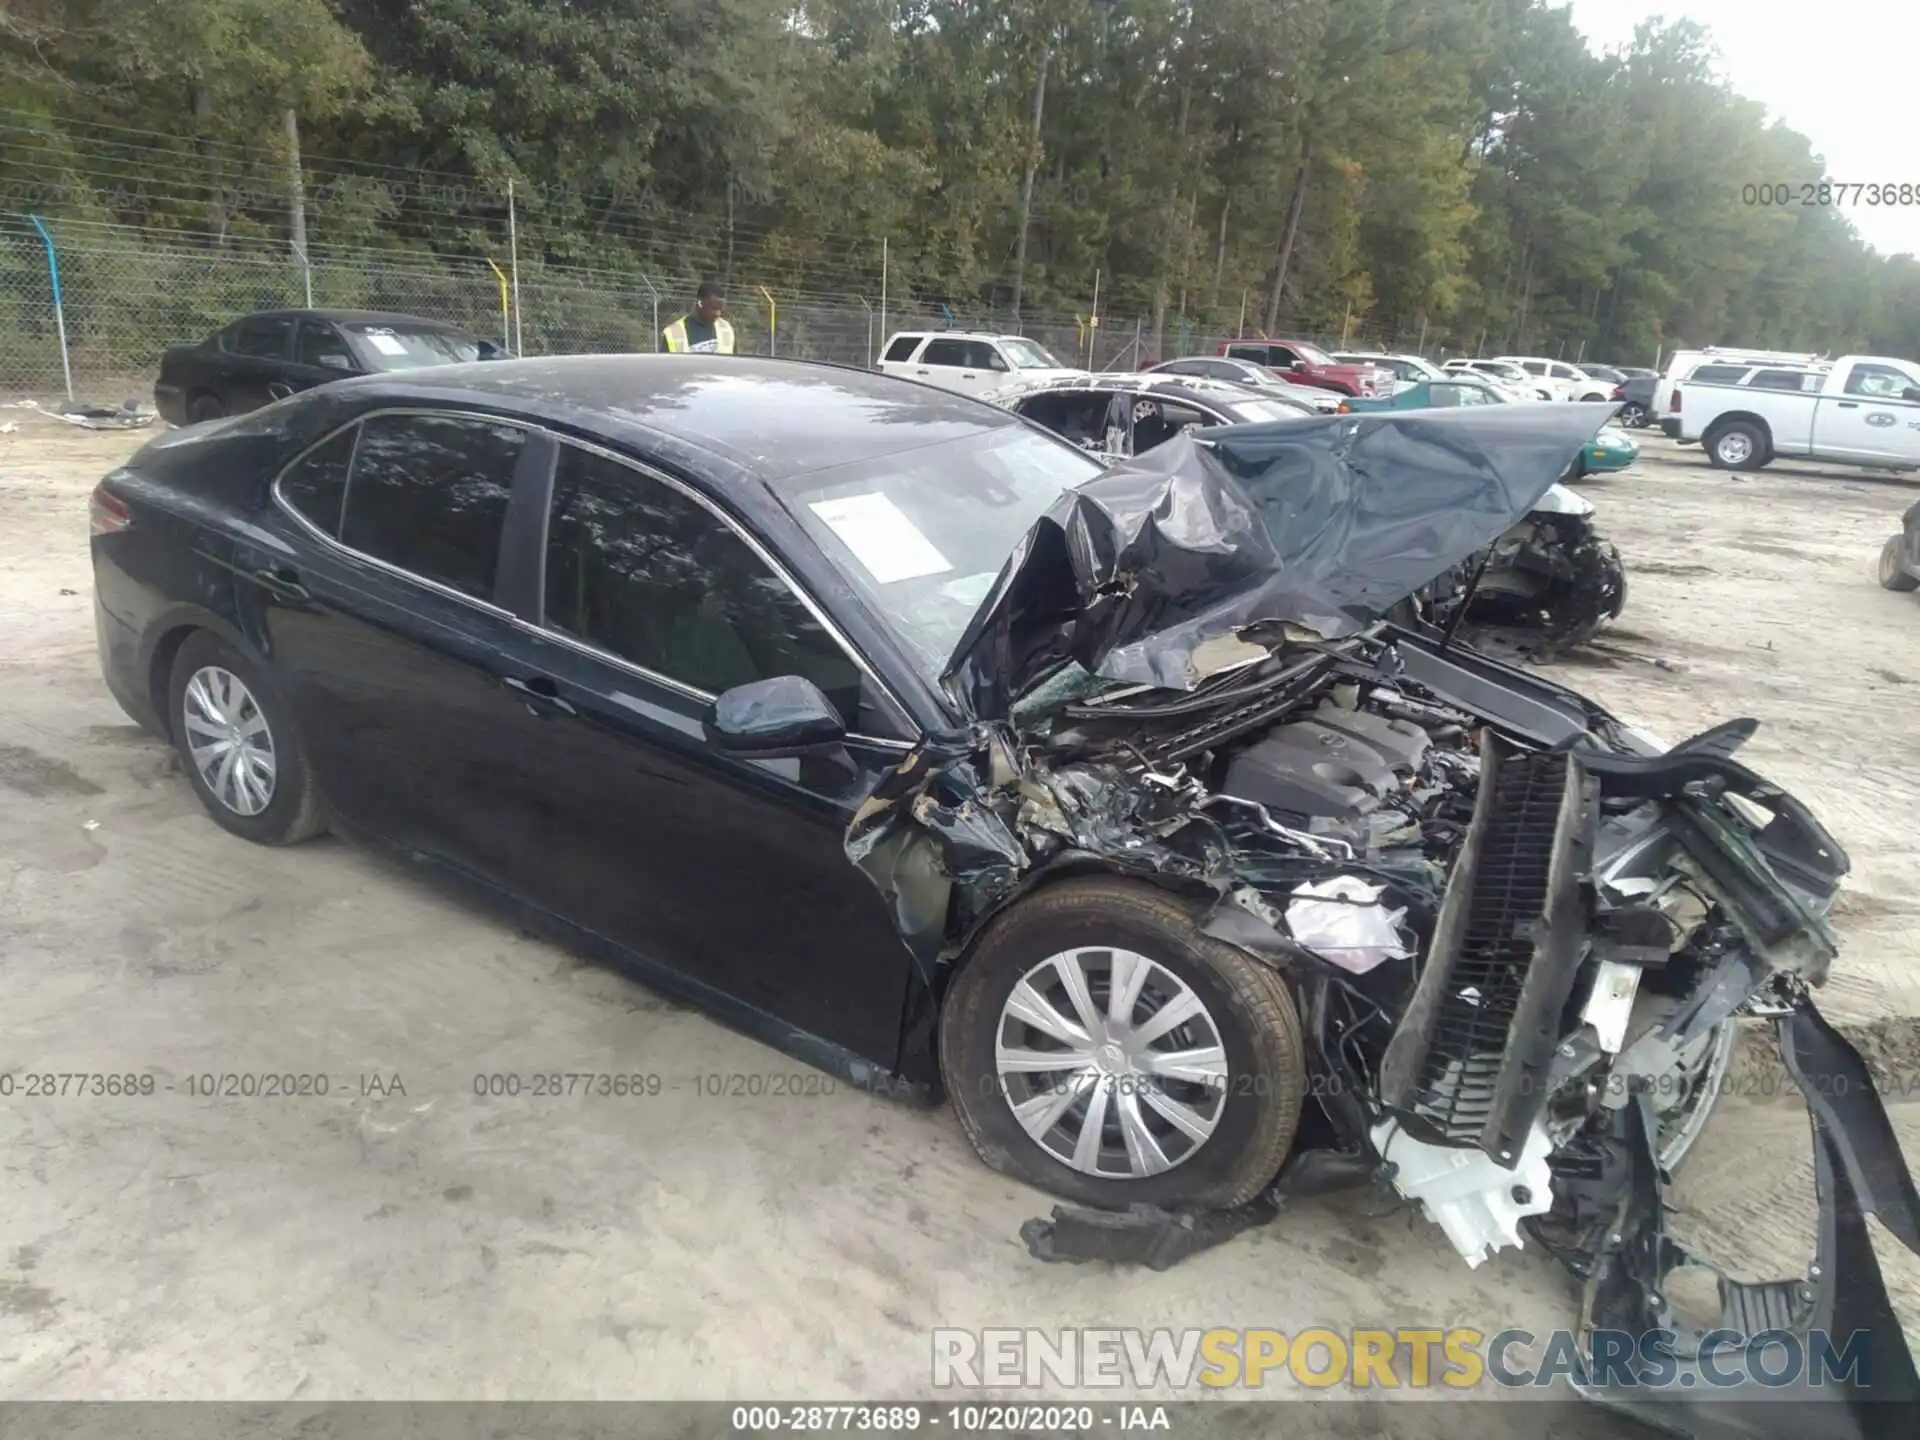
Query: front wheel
point(1097, 1045)
point(1682, 1109)
point(1893, 566)
point(1737, 445)
point(203, 407)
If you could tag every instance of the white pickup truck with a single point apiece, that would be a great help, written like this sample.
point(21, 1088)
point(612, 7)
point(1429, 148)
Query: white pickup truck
point(1857, 410)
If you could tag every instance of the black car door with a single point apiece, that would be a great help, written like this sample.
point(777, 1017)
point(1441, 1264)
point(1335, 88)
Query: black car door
point(729, 870)
point(375, 609)
point(257, 363)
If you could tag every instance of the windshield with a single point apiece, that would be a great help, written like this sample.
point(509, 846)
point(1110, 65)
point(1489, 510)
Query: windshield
point(1026, 355)
point(395, 347)
point(923, 535)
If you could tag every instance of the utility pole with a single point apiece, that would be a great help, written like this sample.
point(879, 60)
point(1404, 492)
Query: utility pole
point(1026, 188)
point(297, 192)
point(1290, 232)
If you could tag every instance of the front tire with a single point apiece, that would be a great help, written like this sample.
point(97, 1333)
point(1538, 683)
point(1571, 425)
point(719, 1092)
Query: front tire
point(1097, 1045)
point(203, 407)
point(237, 740)
point(1892, 569)
point(1737, 445)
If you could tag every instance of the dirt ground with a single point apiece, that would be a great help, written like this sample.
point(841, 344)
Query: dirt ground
point(420, 1242)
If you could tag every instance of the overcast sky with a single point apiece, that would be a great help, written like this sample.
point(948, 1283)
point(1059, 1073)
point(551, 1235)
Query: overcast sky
point(1842, 73)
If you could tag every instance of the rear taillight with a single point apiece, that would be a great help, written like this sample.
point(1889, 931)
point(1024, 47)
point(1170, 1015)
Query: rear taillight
point(1674, 404)
point(107, 513)
point(1619, 392)
point(1343, 408)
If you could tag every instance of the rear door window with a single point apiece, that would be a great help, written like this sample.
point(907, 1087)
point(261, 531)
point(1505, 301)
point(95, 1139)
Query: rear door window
point(316, 484)
point(646, 573)
point(1258, 354)
point(265, 337)
point(902, 348)
point(1717, 374)
point(946, 352)
point(428, 494)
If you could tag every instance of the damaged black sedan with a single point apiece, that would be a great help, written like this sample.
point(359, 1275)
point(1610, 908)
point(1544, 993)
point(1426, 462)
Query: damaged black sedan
point(1109, 803)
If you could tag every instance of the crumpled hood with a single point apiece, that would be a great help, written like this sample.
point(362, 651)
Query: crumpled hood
point(1324, 523)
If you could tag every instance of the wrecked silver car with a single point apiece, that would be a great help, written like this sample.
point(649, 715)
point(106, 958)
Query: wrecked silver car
point(1550, 582)
point(1236, 890)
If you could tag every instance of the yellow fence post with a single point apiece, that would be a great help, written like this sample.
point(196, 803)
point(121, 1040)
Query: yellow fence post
point(506, 324)
point(773, 320)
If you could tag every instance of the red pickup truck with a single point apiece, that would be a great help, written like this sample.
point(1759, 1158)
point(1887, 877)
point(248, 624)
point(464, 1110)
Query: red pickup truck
point(1306, 364)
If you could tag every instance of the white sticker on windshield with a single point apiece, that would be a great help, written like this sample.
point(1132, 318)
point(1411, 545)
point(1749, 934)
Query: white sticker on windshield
point(386, 345)
point(881, 538)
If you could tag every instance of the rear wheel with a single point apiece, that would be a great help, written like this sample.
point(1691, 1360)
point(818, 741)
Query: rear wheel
point(1893, 566)
point(204, 406)
point(1634, 415)
point(237, 740)
point(1097, 1045)
point(1737, 445)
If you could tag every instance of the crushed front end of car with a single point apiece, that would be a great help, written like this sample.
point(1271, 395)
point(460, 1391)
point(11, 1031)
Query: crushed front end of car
point(1519, 937)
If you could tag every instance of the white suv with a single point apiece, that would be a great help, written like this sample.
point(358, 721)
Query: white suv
point(1568, 382)
point(968, 361)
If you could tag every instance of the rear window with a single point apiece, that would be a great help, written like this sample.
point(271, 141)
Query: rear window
point(902, 348)
point(398, 347)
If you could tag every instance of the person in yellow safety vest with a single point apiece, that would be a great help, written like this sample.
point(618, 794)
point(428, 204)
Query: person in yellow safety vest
point(703, 331)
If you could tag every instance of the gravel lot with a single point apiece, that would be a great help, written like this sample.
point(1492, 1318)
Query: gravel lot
point(432, 1244)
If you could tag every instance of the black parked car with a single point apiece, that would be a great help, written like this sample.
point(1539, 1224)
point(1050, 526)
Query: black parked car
point(266, 356)
point(891, 728)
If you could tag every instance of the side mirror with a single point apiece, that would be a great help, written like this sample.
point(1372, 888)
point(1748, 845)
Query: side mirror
point(490, 351)
point(334, 360)
point(768, 719)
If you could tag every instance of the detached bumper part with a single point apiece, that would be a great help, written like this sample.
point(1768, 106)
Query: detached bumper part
point(1858, 1171)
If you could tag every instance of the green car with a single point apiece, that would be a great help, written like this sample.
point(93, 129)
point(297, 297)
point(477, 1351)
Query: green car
point(1611, 449)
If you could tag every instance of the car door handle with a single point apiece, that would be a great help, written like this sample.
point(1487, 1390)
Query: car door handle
point(920, 372)
point(540, 693)
point(1848, 404)
point(282, 584)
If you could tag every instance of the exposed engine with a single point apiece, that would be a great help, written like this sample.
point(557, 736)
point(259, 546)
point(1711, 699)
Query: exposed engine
point(1515, 938)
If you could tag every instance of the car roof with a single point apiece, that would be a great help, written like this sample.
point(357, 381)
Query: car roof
point(962, 335)
point(768, 418)
point(353, 317)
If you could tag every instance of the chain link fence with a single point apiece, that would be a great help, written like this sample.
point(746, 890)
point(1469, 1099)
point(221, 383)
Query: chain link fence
point(126, 294)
